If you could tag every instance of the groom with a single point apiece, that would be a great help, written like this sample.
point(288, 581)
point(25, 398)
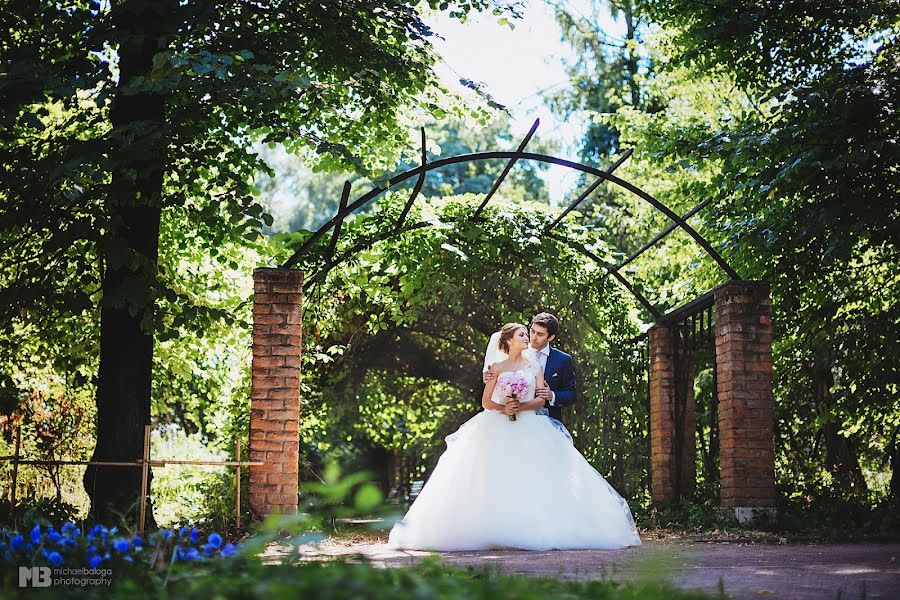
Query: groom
point(558, 367)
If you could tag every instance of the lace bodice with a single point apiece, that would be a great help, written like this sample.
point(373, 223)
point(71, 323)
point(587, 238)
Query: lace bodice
point(530, 374)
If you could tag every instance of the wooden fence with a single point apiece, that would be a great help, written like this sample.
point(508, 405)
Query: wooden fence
point(144, 464)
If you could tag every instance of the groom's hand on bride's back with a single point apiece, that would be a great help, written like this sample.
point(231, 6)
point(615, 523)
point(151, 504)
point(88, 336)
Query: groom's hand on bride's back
point(488, 375)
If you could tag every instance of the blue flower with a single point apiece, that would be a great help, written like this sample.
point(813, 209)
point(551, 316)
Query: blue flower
point(95, 561)
point(17, 543)
point(192, 554)
point(68, 543)
point(53, 537)
point(55, 559)
point(137, 541)
point(182, 531)
point(36, 534)
point(215, 540)
point(121, 545)
point(167, 534)
point(69, 527)
point(194, 533)
point(228, 550)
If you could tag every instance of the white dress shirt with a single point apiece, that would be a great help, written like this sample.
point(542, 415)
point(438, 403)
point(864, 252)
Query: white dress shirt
point(542, 355)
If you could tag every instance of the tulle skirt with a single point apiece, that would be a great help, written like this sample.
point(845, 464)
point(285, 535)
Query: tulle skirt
point(514, 484)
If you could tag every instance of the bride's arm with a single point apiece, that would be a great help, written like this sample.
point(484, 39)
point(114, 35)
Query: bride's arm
point(537, 402)
point(486, 401)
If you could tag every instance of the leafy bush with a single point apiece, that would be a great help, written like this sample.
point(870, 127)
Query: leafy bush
point(187, 494)
point(688, 516)
point(44, 511)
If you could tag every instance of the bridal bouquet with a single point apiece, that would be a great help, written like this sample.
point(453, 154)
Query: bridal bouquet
point(512, 384)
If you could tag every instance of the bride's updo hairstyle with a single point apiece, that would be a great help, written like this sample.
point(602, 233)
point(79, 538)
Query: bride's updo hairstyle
point(507, 332)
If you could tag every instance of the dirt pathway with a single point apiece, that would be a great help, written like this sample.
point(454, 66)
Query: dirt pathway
point(742, 570)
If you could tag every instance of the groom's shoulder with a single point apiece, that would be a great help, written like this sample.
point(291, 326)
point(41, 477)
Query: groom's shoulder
point(561, 353)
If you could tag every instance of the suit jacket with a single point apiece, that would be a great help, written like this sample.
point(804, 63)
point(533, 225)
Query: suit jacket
point(560, 376)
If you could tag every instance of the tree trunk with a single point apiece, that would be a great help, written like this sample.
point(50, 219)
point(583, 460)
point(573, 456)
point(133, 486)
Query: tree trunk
point(840, 457)
point(130, 261)
point(631, 61)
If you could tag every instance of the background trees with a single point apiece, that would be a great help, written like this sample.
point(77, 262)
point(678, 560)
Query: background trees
point(781, 114)
point(127, 127)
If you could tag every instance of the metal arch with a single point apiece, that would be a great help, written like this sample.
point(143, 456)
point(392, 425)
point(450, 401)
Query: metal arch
point(588, 191)
point(662, 234)
point(345, 195)
point(506, 170)
point(417, 188)
point(475, 156)
point(609, 271)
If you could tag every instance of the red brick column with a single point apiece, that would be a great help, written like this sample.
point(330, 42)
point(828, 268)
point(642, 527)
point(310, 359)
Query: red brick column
point(744, 382)
point(275, 392)
point(663, 379)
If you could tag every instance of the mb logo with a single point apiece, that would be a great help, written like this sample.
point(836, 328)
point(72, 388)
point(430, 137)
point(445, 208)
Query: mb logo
point(38, 576)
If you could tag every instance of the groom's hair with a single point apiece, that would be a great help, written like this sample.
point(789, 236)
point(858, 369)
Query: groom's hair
point(547, 321)
point(507, 332)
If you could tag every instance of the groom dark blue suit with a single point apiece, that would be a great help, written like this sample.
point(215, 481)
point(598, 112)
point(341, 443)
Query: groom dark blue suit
point(560, 376)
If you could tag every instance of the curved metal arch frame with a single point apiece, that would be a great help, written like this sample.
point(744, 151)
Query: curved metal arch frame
point(419, 172)
point(515, 155)
point(609, 271)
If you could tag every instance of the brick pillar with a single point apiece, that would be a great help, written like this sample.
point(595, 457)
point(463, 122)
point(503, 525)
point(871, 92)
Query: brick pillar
point(663, 379)
point(275, 392)
point(744, 386)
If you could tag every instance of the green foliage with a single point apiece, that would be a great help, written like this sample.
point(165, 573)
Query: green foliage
point(833, 520)
point(202, 496)
point(301, 197)
point(689, 516)
point(427, 579)
point(779, 113)
point(42, 511)
point(128, 131)
point(607, 73)
point(53, 423)
point(808, 132)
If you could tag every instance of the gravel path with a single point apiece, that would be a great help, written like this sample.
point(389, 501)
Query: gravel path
point(742, 570)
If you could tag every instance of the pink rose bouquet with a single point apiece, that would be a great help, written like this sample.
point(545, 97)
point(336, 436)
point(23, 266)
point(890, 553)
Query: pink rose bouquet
point(512, 384)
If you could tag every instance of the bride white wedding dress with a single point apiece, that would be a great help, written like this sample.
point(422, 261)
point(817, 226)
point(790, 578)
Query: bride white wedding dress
point(517, 484)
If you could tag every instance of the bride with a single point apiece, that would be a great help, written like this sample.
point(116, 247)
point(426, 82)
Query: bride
point(515, 484)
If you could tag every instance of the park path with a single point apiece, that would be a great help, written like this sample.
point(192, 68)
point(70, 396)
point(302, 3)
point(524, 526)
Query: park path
point(743, 570)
